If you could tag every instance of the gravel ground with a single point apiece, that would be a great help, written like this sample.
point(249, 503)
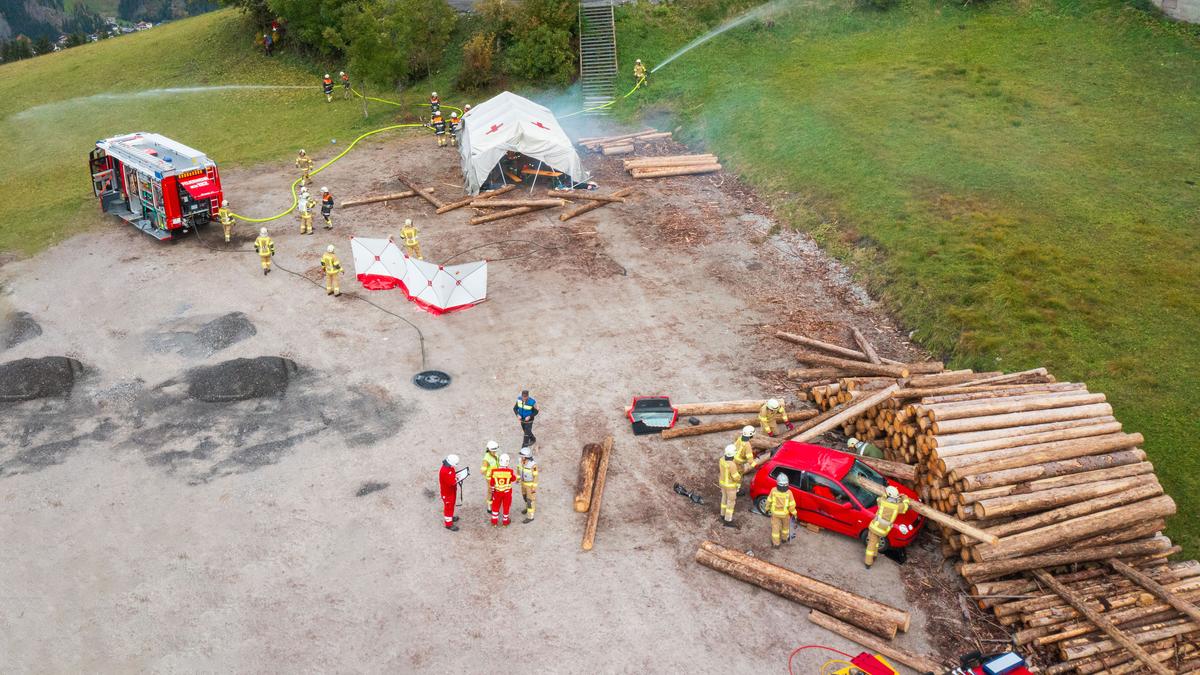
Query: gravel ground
point(180, 510)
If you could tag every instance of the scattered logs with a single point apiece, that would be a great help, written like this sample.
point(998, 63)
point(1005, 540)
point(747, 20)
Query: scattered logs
point(593, 519)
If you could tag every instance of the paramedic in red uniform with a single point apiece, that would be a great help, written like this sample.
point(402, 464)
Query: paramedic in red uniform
point(502, 480)
point(448, 479)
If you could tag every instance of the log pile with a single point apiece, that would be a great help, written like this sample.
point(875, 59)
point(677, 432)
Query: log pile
point(623, 144)
point(674, 165)
point(1078, 569)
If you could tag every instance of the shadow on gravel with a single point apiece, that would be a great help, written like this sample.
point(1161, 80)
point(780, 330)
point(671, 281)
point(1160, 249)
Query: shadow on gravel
point(18, 327)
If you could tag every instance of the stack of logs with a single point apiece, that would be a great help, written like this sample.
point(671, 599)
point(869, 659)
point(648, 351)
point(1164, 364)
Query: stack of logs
point(672, 165)
point(1045, 467)
point(624, 144)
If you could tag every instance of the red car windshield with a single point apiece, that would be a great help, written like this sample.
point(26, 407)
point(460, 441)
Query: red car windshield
point(860, 470)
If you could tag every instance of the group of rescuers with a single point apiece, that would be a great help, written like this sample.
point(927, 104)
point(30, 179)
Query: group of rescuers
point(498, 473)
point(739, 460)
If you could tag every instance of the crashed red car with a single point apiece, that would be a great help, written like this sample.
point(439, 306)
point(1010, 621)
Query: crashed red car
point(819, 479)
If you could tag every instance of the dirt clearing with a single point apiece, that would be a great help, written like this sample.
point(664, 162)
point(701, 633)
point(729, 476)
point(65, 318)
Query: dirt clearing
point(243, 477)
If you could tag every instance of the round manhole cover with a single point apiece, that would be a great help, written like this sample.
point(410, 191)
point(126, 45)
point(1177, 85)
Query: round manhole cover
point(431, 379)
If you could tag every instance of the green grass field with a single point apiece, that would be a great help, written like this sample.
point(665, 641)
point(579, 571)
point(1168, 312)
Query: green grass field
point(53, 109)
point(1018, 182)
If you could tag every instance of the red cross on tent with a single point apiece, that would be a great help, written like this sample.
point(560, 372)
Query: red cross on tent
point(494, 129)
point(540, 125)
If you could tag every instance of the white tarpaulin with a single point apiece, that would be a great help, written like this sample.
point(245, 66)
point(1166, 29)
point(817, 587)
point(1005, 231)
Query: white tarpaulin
point(509, 122)
point(380, 264)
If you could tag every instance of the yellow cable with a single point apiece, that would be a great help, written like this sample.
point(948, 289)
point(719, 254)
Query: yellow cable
point(295, 198)
point(834, 662)
point(606, 105)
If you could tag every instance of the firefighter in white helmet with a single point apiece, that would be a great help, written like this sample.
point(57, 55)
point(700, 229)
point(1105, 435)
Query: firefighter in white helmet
point(502, 480)
point(333, 269)
point(781, 506)
point(304, 206)
point(528, 471)
point(744, 457)
point(327, 87)
point(767, 414)
point(435, 103)
point(305, 164)
point(888, 509)
point(453, 128)
point(345, 84)
point(409, 234)
point(639, 71)
point(327, 207)
point(729, 480)
point(490, 460)
point(226, 217)
point(265, 248)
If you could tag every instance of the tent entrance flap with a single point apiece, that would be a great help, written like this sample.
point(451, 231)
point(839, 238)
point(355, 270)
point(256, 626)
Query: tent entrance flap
point(498, 130)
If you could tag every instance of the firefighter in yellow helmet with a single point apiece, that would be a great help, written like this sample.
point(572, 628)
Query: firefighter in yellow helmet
point(305, 164)
point(781, 506)
point(491, 458)
point(527, 470)
point(304, 206)
point(767, 414)
point(744, 452)
point(265, 248)
point(226, 217)
point(639, 71)
point(888, 509)
point(729, 481)
point(333, 269)
point(409, 234)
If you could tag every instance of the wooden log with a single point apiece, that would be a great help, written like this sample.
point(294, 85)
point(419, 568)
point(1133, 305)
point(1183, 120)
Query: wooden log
point(984, 390)
point(982, 571)
point(1055, 470)
point(923, 367)
point(945, 440)
point(897, 470)
point(919, 663)
point(1051, 633)
point(466, 201)
point(1068, 531)
point(948, 377)
point(1100, 622)
point(1136, 636)
point(751, 405)
point(584, 208)
point(587, 476)
point(1021, 418)
point(683, 431)
point(600, 140)
point(1010, 377)
point(943, 412)
point(862, 366)
point(653, 136)
point(520, 210)
point(421, 192)
point(1146, 582)
point(864, 345)
point(1077, 509)
point(1013, 505)
point(935, 515)
point(381, 198)
point(674, 160)
point(1030, 439)
point(876, 617)
point(1124, 471)
point(587, 196)
point(1046, 452)
point(514, 203)
point(829, 420)
point(805, 374)
point(609, 150)
point(675, 171)
point(593, 520)
point(1000, 391)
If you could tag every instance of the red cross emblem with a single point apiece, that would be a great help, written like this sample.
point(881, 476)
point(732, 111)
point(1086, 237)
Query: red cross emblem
point(540, 125)
point(495, 127)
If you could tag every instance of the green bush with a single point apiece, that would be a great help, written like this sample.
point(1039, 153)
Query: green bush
point(541, 41)
point(477, 67)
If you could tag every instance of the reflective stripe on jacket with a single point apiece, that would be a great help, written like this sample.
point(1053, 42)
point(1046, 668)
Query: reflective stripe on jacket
point(730, 478)
point(529, 473)
point(331, 264)
point(765, 413)
point(781, 503)
point(745, 451)
point(410, 236)
point(886, 515)
point(502, 479)
point(264, 246)
point(490, 461)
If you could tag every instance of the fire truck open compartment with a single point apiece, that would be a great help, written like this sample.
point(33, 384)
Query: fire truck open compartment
point(157, 185)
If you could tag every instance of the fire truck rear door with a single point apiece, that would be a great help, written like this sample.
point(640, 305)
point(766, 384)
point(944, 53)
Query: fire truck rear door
point(104, 180)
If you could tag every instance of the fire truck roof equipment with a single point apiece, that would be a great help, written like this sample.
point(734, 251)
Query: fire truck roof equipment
point(154, 153)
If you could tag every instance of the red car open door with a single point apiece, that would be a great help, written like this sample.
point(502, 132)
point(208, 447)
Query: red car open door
point(829, 505)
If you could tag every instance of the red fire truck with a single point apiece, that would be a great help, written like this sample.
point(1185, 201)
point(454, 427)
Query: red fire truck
point(154, 183)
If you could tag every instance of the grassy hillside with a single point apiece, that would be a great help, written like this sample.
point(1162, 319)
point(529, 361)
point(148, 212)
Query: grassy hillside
point(1019, 182)
point(53, 109)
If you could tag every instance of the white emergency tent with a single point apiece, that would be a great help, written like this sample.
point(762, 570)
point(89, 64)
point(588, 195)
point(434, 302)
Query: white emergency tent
point(379, 264)
point(510, 122)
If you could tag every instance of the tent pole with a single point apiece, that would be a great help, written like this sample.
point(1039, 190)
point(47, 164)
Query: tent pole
point(535, 177)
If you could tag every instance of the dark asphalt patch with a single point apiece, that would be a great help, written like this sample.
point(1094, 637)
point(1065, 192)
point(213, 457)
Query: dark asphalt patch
point(369, 487)
point(29, 379)
point(18, 327)
point(206, 339)
point(241, 379)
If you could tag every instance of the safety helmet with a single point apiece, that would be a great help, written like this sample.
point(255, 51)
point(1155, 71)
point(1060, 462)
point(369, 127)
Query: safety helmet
point(493, 446)
point(341, 72)
point(407, 222)
point(730, 451)
point(302, 151)
point(748, 431)
point(505, 459)
point(329, 248)
point(452, 460)
point(263, 232)
point(224, 202)
point(892, 492)
point(526, 452)
point(326, 74)
point(454, 114)
point(852, 442)
point(324, 189)
point(638, 60)
point(773, 404)
point(466, 107)
point(781, 481)
point(434, 94)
